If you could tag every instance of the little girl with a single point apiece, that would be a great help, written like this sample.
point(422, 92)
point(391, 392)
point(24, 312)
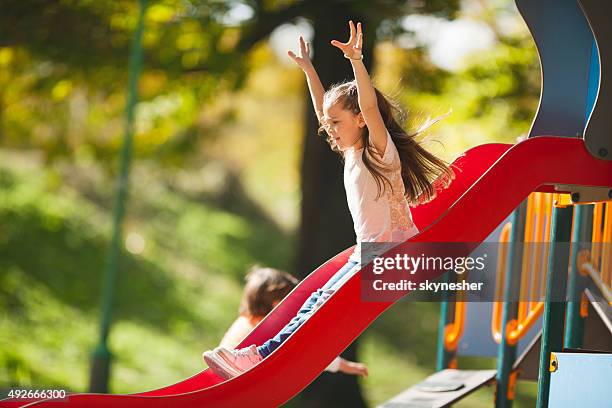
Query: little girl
point(264, 289)
point(385, 172)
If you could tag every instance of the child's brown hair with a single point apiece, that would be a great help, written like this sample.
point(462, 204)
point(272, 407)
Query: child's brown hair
point(423, 173)
point(264, 287)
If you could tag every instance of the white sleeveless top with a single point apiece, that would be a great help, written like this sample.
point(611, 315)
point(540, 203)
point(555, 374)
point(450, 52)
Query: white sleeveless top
point(386, 219)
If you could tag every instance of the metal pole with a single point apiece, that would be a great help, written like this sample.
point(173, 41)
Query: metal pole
point(581, 233)
point(556, 290)
point(506, 353)
point(444, 357)
point(100, 367)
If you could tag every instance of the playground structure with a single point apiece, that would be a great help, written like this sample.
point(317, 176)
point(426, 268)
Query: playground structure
point(528, 329)
point(588, 321)
point(554, 187)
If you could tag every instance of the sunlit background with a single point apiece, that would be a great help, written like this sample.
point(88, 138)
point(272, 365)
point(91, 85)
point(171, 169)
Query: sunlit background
point(215, 181)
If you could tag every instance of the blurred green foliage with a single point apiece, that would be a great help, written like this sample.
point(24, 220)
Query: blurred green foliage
point(182, 283)
point(493, 99)
point(215, 185)
point(172, 293)
point(63, 68)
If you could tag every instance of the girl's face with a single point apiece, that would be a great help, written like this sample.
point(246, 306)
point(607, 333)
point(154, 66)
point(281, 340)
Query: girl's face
point(344, 127)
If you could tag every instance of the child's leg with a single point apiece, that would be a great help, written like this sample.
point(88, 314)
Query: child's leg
point(272, 344)
point(345, 276)
point(339, 275)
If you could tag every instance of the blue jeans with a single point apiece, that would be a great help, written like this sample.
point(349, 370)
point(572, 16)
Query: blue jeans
point(332, 284)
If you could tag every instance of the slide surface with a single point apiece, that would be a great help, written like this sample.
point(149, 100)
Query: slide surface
point(491, 181)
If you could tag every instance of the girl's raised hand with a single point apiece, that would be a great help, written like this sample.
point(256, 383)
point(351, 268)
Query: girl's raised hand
point(303, 60)
point(351, 48)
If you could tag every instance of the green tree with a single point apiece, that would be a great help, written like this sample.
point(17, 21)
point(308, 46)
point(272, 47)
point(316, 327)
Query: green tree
point(191, 52)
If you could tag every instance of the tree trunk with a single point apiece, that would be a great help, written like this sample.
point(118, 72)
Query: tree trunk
point(326, 225)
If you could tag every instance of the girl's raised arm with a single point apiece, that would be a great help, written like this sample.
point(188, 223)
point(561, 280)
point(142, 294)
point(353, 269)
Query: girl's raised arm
point(314, 83)
point(365, 90)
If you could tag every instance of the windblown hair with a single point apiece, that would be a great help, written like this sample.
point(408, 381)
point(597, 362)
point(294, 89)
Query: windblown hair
point(264, 287)
point(423, 173)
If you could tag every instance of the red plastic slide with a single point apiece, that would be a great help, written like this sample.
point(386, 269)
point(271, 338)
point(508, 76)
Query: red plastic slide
point(491, 181)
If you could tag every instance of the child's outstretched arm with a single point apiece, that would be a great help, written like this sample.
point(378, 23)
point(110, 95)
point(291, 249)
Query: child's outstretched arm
point(365, 89)
point(314, 83)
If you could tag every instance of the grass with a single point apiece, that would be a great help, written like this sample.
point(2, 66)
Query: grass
point(175, 295)
point(177, 291)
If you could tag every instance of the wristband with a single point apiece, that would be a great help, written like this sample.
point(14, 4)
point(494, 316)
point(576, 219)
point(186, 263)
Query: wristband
point(347, 57)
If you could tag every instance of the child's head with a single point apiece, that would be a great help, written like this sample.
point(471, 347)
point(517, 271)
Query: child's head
point(264, 288)
point(345, 127)
point(343, 121)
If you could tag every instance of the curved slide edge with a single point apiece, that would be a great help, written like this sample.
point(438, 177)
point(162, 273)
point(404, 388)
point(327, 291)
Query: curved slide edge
point(468, 167)
point(341, 319)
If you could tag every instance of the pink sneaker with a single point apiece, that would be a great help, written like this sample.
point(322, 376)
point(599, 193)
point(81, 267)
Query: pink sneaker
point(231, 363)
point(242, 359)
point(218, 365)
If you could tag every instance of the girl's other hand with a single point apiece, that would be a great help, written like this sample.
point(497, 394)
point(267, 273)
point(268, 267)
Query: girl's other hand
point(353, 368)
point(351, 48)
point(303, 60)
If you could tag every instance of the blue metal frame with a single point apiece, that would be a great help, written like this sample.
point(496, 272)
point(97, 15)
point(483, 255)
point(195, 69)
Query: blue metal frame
point(556, 290)
point(564, 42)
point(597, 134)
point(581, 234)
point(506, 352)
